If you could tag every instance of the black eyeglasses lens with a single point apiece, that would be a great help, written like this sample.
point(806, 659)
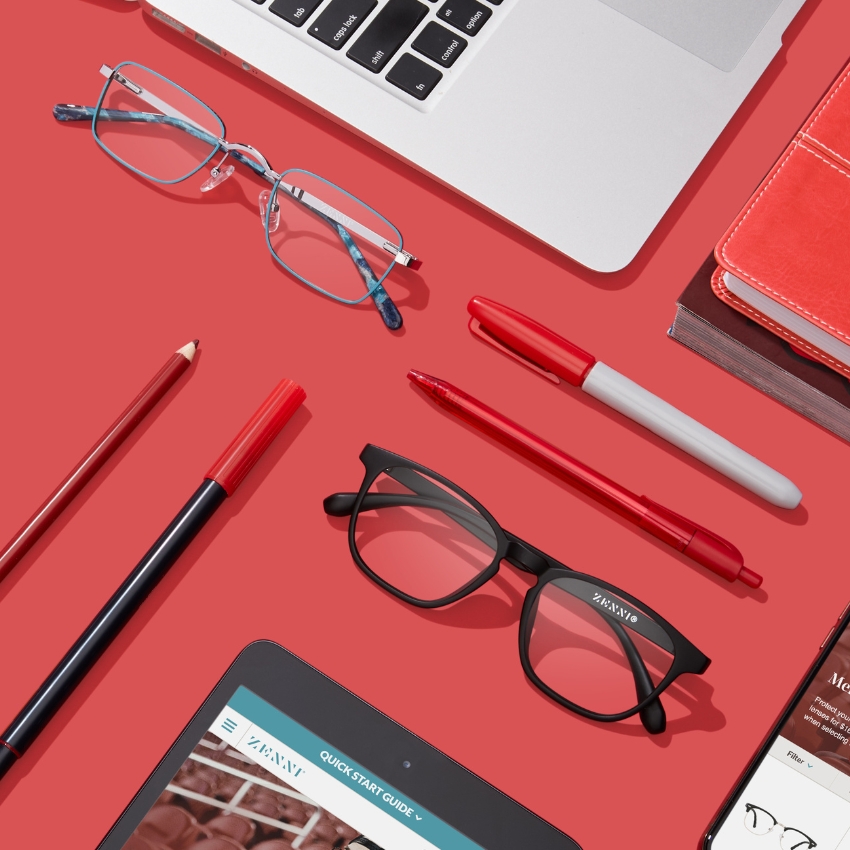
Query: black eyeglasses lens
point(421, 537)
point(595, 649)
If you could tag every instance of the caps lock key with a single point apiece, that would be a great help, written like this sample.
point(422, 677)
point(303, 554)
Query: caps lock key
point(339, 21)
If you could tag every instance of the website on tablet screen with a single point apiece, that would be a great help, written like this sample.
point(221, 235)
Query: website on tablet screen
point(258, 780)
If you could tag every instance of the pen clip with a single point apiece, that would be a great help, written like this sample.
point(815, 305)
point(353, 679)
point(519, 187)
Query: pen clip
point(487, 336)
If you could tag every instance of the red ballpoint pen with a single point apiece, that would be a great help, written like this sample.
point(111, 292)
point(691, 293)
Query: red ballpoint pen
point(685, 536)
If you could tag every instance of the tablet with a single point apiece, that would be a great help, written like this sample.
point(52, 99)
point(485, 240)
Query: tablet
point(279, 757)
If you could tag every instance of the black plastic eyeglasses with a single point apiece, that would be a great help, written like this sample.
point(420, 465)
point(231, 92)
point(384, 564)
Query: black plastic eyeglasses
point(589, 646)
point(759, 821)
point(321, 234)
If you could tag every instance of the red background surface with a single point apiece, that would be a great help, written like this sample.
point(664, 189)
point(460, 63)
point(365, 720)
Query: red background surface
point(105, 275)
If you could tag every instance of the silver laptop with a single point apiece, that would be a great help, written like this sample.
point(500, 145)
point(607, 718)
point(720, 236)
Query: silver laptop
point(579, 121)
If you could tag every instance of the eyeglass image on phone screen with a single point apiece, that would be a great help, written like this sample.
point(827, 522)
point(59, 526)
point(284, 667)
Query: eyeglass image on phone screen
point(797, 796)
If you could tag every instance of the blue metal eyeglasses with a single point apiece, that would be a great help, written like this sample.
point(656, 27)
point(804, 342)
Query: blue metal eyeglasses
point(321, 234)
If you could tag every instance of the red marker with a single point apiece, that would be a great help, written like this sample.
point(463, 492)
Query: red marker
point(558, 359)
point(697, 543)
point(220, 482)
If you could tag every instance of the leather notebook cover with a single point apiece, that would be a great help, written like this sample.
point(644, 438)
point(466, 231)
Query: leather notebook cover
point(791, 241)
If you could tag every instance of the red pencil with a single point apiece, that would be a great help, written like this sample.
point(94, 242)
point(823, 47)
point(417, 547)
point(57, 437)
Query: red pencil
point(102, 450)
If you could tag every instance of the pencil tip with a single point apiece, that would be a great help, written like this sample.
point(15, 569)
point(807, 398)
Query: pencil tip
point(189, 350)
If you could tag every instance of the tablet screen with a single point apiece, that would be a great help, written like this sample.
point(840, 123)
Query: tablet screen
point(258, 780)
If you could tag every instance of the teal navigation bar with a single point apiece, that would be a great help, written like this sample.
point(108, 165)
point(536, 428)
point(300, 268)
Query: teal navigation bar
point(335, 763)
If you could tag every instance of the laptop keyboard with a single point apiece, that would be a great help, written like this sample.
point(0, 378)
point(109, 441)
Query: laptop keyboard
point(410, 44)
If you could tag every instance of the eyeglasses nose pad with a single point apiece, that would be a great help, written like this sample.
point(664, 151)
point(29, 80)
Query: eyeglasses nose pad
point(274, 216)
point(217, 176)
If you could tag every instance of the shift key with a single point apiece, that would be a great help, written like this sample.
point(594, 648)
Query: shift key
point(340, 20)
point(384, 35)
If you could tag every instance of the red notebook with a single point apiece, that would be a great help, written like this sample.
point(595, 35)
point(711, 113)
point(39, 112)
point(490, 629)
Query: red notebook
point(785, 260)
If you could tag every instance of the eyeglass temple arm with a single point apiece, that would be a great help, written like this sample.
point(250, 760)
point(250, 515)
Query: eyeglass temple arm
point(401, 256)
point(342, 504)
point(72, 112)
point(380, 297)
point(652, 715)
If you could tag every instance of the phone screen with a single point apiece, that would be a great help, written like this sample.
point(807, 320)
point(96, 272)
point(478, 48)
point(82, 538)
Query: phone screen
point(799, 794)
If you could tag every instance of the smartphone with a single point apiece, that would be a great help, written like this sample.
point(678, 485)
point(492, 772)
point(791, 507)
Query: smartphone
point(795, 793)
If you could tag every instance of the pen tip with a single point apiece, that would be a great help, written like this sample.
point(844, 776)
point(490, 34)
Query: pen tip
point(422, 380)
point(195, 342)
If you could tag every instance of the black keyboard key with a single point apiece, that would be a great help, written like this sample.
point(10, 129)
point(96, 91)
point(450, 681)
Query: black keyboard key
point(294, 11)
point(414, 76)
point(439, 44)
point(384, 35)
point(495, 2)
point(466, 15)
point(340, 20)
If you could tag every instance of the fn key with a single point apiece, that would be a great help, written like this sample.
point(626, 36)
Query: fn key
point(414, 76)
